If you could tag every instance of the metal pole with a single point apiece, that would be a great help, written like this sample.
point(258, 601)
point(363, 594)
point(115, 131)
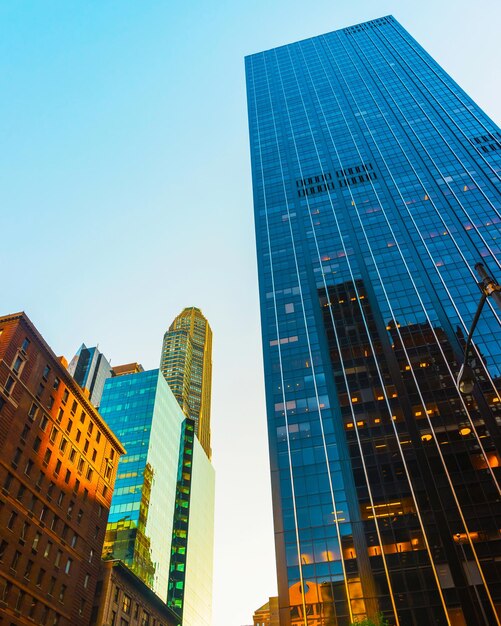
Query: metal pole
point(488, 285)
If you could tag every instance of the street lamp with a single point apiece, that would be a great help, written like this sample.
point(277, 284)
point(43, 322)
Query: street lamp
point(488, 287)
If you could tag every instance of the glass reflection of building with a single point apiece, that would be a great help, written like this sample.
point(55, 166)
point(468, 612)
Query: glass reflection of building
point(376, 190)
point(147, 420)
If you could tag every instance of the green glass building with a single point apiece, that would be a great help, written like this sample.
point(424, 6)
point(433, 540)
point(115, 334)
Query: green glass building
point(146, 418)
point(164, 471)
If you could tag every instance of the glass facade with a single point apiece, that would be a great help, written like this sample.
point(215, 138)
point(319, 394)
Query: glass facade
point(90, 369)
point(376, 191)
point(147, 419)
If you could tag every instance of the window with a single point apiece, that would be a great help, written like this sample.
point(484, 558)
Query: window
point(46, 372)
point(89, 473)
point(57, 561)
point(126, 604)
point(40, 478)
point(47, 550)
point(15, 560)
point(17, 365)
point(56, 384)
point(28, 467)
point(8, 482)
point(69, 426)
point(32, 413)
point(17, 457)
point(50, 402)
point(54, 523)
point(94, 455)
point(78, 435)
point(81, 464)
point(62, 591)
point(113, 618)
point(40, 391)
point(25, 344)
point(24, 530)
point(86, 446)
point(82, 606)
point(36, 444)
point(73, 454)
point(65, 397)
point(60, 414)
point(86, 581)
point(90, 428)
point(12, 520)
point(43, 423)
point(3, 547)
point(60, 498)
point(36, 541)
point(6, 591)
point(96, 532)
point(62, 444)
point(33, 608)
point(70, 508)
point(74, 407)
point(53, 435)
point(98, 436)
point(91, 555)
point(29, 567)
point(19, 601)
point(79, 516)
point(74, 540)
point(43, 513)
point(85, 493)
point(8, 385)
point(47, 455)
point(67, 476)
point(57, 469)
point(52, 584)
point(82, 417)
point(20, 492)
point(40, 577)
point(67, 569)
point(76, 486)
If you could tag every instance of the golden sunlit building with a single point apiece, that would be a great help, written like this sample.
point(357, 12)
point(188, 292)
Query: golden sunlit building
point(186, 364)
point(58, 462)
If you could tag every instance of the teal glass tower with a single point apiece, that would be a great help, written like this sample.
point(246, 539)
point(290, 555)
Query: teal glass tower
point(376, 185)
point(148, 422)
point(171, 553)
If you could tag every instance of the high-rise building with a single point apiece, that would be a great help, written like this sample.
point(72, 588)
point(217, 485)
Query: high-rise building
point(146, 417)
point(58, 461)
point(164, 474)
point(186, 363)
point(90, 369)
point(267, 615)
point(376, 191)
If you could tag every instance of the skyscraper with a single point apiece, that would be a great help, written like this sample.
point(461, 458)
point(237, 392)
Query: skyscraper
point(186, 363)
point(376, 191)
point(146, 417)
point(90, 369)
point(162, 512)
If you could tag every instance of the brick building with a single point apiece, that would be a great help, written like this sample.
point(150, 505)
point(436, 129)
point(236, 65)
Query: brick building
point(58, 463)
point(122, 599)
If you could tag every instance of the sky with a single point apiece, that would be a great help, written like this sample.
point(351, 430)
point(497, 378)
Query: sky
point(125, 195)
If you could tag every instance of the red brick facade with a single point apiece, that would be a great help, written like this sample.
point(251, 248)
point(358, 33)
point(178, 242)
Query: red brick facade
point(58, 464)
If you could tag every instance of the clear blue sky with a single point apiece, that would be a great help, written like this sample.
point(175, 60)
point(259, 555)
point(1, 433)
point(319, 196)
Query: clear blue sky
point(125, 195)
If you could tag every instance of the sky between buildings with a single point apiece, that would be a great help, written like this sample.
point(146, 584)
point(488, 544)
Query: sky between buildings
point(125, 196)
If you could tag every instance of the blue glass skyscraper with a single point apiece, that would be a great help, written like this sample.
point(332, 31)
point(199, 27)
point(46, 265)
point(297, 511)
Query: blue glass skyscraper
point(376, 190)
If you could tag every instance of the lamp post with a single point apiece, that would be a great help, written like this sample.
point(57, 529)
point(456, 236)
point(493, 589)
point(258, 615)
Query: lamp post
point(488, 287)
